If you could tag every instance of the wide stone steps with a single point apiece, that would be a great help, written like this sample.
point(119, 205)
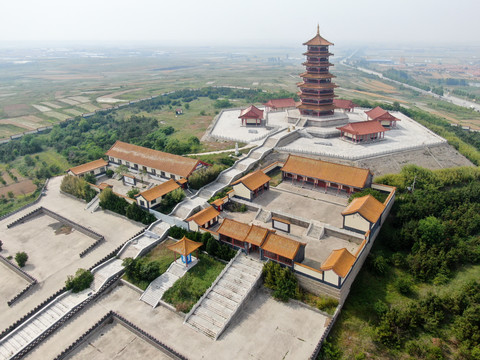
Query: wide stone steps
point(232, 287)
point(203, 326)
point(217, 308)
point(222, 301)
point(250, 262)
point(244, 269)
point(34, 327)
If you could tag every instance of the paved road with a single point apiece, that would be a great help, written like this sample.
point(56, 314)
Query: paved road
point(448, 98)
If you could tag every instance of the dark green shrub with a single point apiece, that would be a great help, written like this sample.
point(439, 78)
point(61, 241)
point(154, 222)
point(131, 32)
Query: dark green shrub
point(81, 281)
point(21, 258)
point(90, 178)
point(281, 280)
point(404, 286)
point(109, 173)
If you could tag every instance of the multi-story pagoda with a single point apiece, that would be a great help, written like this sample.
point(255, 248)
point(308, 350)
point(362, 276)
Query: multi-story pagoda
point(317, 89)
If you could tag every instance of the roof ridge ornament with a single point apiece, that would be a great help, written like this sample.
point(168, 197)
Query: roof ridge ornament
point(318, 29)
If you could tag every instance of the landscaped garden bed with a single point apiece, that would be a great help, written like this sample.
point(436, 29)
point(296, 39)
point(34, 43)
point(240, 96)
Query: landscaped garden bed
point(142, 271)
point(189, 289)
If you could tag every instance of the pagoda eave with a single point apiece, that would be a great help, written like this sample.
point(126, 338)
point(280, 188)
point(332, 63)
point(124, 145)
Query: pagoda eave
point(308, 75)
point(319, 53)
point(314, 96)
point(324, 86)
point(317, 64)
point(316, 107)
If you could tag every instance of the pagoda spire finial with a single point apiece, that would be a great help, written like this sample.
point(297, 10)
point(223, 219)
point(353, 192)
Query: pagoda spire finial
point(318, 29)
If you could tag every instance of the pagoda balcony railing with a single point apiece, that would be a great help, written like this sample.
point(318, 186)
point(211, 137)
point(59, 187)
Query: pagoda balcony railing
point(317, 63)
point(318, 49)
point(316, 102)
point(321, 81)
point(317, 71)
point(304, 94)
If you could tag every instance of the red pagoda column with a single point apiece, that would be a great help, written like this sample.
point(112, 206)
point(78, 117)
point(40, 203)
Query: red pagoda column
point(317, 89)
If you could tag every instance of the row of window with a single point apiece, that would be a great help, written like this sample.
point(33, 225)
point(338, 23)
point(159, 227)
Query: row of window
point(144, 168)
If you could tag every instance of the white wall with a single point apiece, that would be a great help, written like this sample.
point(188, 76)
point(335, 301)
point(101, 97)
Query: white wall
point(331, 277)
point(241, 191)
point(356, 221)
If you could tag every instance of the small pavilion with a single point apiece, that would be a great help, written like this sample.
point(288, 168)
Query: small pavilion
point(251, 116)
point(345, 105)
point(185, 247)
point(383, 117)
point(363, 131)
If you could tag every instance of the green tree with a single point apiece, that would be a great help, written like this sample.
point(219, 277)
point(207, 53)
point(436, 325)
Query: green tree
point(90, 178)
point(132, 192)
point(21, 258)
point(81, 281)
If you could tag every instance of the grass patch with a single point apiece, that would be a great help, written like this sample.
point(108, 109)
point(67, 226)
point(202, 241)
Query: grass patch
point(323, 303)
point(160, 255)
point(188, 290)
point(276, 177)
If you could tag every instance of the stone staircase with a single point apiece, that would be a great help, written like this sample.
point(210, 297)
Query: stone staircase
point(157, 287)
point(40, 322)
point(213, 314)
point(263, 215)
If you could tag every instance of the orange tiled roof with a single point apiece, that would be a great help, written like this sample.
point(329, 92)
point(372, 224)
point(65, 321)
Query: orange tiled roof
point(204, 216)
point(234, 229)
point(367, 206)
point(340, 261)
point(155, 159)
point(318, 40)
point(323, 170)
point(280, 103)
point(221, 201)
point(253, 180)
point(92, 165)
point(159, 190)
point(363, 128)
point(252, 112)
point(184, 246)
point(343, 104)
point(256, 235)
point(379, 114)
point(282, 246)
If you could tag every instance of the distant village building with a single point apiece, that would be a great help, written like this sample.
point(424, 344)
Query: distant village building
point(363, 214)
point(251, 116)
point(383, 117)
point(317, 88)
point(326, 175)
point(152, 197)
point(279, 105)
point(97, 167)
point(345, 105)
point(178, 112)
point(153, 162)
point(205, 219)
point(251, 185)
point(363, 131)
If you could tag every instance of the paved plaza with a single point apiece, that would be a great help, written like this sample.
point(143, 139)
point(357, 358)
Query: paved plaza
point(53, 257)
point(115, 341)
point(264, 329)
point(408, 135)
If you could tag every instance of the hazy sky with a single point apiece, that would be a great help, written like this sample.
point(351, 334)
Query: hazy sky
point(240, 22)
